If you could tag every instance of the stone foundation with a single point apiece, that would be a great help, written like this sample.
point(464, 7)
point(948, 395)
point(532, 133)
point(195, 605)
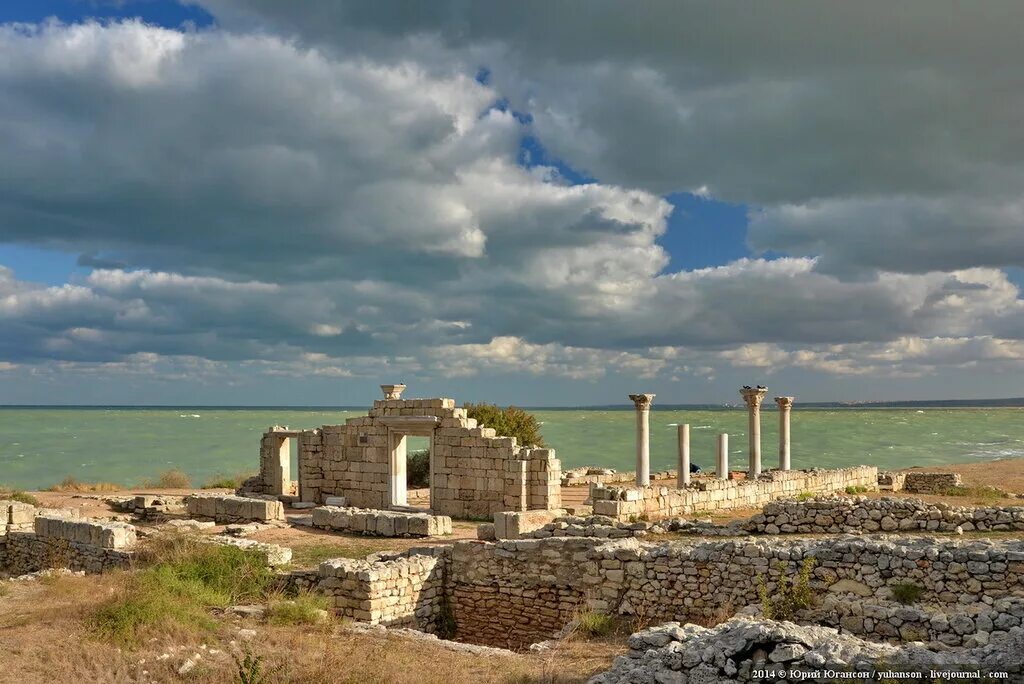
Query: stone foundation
point(233, 509)
point(405, 590)
point(653, 503)
point(931, 483)
point(513, 593)
point(381, 523)
point(57, 542)
point(513, 525)
point(891, 482)
point(861, 514)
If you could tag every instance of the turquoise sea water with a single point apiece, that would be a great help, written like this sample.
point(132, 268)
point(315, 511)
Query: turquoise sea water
point(39, 447)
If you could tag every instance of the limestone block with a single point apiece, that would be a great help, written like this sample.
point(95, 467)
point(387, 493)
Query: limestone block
point(18, 513)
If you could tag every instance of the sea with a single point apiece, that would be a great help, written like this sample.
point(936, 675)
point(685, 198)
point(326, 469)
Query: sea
point(128, 445)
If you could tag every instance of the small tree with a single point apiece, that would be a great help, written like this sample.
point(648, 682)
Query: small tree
point(791, 594)
point(508, 422)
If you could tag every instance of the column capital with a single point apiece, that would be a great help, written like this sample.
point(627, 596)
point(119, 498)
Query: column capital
point(753, 396)
point(785, 403)
point(642, 401)
point(393, 391)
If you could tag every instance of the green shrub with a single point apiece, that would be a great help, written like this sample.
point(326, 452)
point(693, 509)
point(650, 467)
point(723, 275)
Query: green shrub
point(418, 468)
point(170, 479)
point(804, 496)
point(594, 624)
point(907, 592)
point(304, 609)
point(508, 422)
point(187, 577)
point(226, 481)
point(859, 489)
point(250, 669)
point(791, 594)
point(23, 497)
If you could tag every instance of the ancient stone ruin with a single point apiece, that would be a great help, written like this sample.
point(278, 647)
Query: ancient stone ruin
point(474, 472)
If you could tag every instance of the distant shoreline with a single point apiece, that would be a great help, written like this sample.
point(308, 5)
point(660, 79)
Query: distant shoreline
point(1015, 402)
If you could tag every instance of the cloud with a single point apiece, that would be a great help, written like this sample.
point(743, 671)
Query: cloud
point(249, 154)
point(303, 205)
point(854, 127)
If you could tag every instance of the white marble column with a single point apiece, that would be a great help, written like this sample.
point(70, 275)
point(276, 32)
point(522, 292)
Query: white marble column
point(642, 402)
point(785, 404)
point(753, 397)
point(683, 478)
point(723, 456)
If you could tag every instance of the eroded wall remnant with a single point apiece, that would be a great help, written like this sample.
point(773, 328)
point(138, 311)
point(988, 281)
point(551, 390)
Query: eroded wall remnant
point(474, 472)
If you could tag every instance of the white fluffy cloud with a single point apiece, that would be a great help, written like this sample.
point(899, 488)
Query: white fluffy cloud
point(341, 196)
point(855, 126)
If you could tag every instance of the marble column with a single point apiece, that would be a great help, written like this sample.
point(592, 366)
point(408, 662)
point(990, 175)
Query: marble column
point(642, 402)
point(683, 478)
point(753, 397)
point(785, 404)
point(723, 456)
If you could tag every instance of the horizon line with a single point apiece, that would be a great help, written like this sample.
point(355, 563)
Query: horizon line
point(965, 403)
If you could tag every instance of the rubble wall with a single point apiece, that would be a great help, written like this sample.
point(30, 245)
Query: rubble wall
point(703, 495)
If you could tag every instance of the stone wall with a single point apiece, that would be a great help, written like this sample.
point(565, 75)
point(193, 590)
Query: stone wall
point(15, 516)
point(381, 523)
point(588, 475)
point(474, 472)
point(58, 542)
point(403, 590)
point(223, 508)
point(516, 592)
point(742, 650)
point(891, 481)
point(705, 494)
point(931, 483)
point(150, 507)
point(975, 624)
point(862, 514)
point(706, 580)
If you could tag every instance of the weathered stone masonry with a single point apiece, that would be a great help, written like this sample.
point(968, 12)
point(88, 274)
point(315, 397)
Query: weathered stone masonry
point(474, 472)
point(233, 509)
point(67, 543)
point(623, 503)
point(513, 593)
point(381, 523)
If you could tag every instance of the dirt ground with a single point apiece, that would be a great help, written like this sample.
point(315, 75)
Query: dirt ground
point(46, 635)
point(310, 546)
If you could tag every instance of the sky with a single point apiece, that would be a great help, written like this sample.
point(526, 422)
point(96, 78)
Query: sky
point(250, 202)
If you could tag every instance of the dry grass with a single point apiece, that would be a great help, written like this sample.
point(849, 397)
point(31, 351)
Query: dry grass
point(47, 639)
point(73, 484)
point(170, 479)
point(6, 493)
